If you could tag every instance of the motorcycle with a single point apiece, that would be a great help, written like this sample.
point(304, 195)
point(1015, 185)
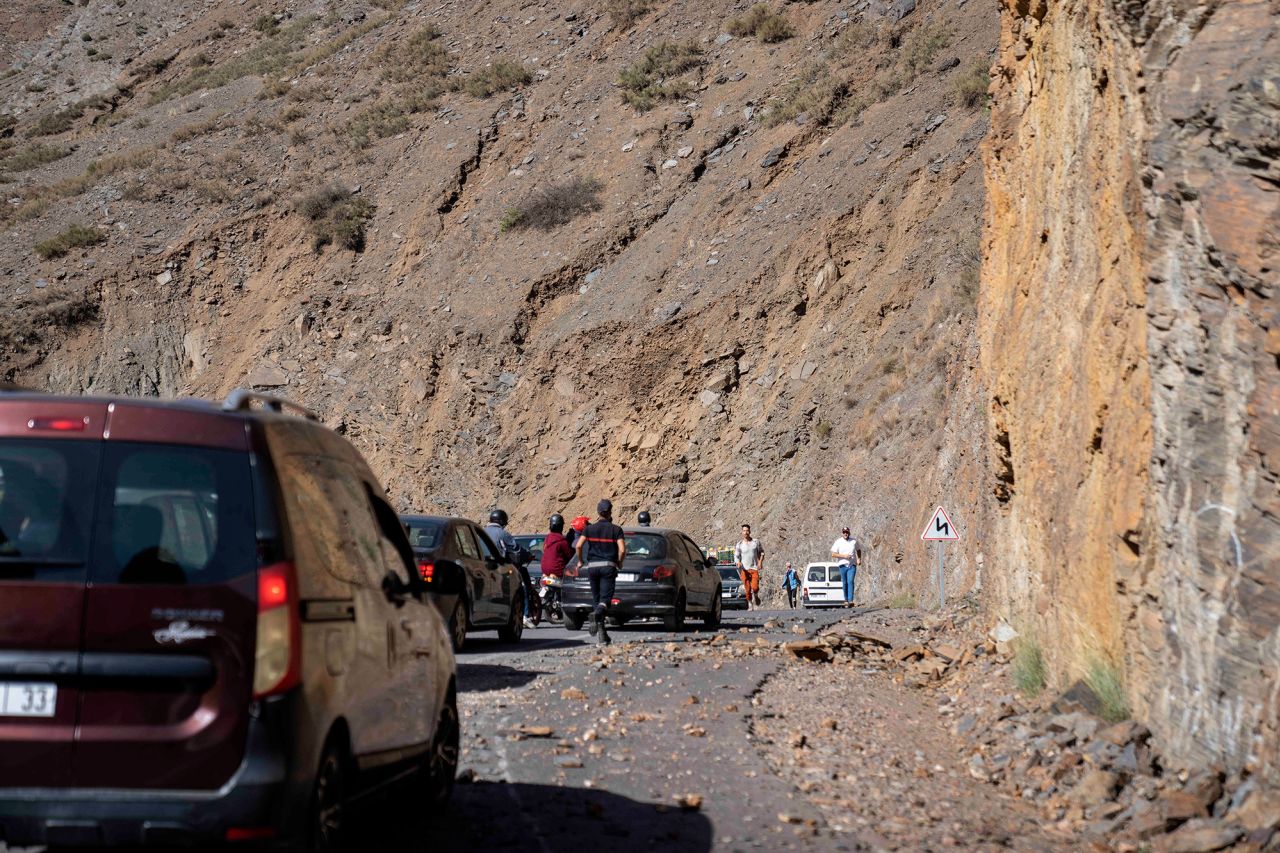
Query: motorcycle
point(549, 594)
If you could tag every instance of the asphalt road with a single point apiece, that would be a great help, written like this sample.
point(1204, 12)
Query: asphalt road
point(648, 745)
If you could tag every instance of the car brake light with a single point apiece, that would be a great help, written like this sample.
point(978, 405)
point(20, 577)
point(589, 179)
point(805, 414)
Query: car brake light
point(250, 833)
point(427, 571)
point(277, 664)
point(663, 572)
point(615, 601)
point(571, 571)
point(59, 424)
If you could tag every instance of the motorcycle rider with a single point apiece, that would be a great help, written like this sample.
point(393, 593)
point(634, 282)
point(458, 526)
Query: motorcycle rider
point(645, 519)
point(509, 548)
point(556, 550)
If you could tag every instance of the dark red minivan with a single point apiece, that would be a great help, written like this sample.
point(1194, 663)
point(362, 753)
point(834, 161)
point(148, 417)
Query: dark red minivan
point(210, 627)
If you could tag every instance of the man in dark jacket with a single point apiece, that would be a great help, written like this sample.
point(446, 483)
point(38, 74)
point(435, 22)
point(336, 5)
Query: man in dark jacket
point(601, 549)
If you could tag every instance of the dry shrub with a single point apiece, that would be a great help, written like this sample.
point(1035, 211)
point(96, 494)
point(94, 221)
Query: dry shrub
point(32, 157)
point(921, 46)
point(40, 313)
point(555, 205)
point(624, 13)
point(389, 118)
point(763, 23)
point(200, 128)
point(498, 77)
point(337, 216)
point(419, 56)
point(655, 76)
point(971, 86)
point(75, 237)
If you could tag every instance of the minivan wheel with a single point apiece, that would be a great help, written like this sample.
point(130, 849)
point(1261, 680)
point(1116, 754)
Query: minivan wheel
point(329, 812)
point(514, 629)
point(712, 618)
point(458, 624)
point(440, 767)
point(674, 621)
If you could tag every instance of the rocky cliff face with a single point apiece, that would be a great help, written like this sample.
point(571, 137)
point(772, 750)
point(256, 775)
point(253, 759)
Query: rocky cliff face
point(1129, 339)
point(766, 313)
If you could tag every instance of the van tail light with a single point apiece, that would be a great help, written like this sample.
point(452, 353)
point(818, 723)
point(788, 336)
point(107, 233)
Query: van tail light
point(661, 573)
point(250, 833)
point(277, 664)
point(427, 571)
point(59, 424)
point(571, 571)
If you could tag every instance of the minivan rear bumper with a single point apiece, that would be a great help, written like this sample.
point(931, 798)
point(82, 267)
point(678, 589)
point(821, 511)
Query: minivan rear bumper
point(254, 798)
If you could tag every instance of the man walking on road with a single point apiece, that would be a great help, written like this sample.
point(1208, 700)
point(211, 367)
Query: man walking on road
point(601, 548)
point(845, 552)
point(749, 555)
point(791, 583)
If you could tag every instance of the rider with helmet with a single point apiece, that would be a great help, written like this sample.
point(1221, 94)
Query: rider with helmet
point(645, 519)
point(556, 550)
point(509, 548)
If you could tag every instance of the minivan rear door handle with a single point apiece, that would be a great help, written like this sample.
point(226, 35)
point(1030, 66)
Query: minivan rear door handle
point(123, 665)
point(38, 663)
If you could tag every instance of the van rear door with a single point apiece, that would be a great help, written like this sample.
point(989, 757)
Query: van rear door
point(49, 456)
point(171, 609)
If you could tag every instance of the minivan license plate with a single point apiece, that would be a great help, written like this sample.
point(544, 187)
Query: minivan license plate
point(628, 577)
point(34, 699)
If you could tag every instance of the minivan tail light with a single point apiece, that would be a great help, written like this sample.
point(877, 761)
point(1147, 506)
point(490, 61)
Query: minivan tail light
point(427, 571)
point(661, 573)
point(277, 664)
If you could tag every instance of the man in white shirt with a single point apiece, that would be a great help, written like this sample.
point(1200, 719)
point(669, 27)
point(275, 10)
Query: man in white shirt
point(749, 555)
point(845, 552)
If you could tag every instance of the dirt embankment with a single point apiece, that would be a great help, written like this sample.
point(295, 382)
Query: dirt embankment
point(724, 270)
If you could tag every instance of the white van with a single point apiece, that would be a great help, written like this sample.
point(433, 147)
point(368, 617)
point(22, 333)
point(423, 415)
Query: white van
point(821, 586)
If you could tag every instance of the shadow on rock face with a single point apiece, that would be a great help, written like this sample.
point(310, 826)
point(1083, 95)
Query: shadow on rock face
point(488, 816)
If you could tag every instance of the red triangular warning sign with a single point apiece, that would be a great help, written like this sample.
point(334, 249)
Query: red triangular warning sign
point(940, 528)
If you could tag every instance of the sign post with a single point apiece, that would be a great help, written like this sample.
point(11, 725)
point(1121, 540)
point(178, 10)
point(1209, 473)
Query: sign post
point(941, 530)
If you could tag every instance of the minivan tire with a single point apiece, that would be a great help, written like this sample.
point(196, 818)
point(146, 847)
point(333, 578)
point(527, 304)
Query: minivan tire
point(328, 815)
point(514, 629)
point(674, 621)
point(440, 766)
point(458, 624)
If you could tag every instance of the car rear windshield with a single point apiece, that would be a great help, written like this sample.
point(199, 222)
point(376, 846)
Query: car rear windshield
point(173, 515)
point(646, 546)
point(819, 573)
point(424, 535)
point(46, 508)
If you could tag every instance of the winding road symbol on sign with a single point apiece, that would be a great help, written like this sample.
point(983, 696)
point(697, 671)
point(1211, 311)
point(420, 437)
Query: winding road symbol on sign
point(940, 528)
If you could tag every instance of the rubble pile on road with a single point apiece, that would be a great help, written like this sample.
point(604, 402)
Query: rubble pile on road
point(924, 658)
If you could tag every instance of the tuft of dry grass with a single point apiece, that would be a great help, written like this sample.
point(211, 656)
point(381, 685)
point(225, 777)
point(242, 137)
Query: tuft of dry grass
point(209, 125)
point(389, 118)
point(33, 156)
point(75, 237)
point(624, 13)
point(761, 22)
point(337, 216)
point(498, 77)
point(60, 121)
point(655, 76)
point(971, 85)
point(555, 205)
point(419, 56)
point(37, 200)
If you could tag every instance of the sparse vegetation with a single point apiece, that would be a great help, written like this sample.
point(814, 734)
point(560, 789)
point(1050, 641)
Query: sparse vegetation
point(1028, 667)
point(655, 76)
point(389, 118)
point(32, 157)
point(971, 86)
point(75, 237)
point(268, 57)
point(901, 601)
point(555, 205)
point(37, 200)
point(337, 216)
point(419, 56)
point(822, 429)
point(1104, 679)
point(498, 77)
point(921, 46)
point(763, 23)
point(624, 13)
point(200, 128)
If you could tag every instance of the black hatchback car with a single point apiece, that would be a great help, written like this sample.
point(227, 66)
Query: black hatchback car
point(665, 574)
point(457, 554)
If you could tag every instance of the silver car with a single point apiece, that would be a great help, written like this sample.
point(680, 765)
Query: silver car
point(732, 596)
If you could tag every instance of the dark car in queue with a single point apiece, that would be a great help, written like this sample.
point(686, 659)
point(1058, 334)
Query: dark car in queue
point(213, 629)
point(664, 575)
point(485, 592)
point(732, 595)
point(532, 542)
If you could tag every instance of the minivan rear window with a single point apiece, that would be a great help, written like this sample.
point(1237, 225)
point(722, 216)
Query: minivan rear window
point(818, 573)
point(46, 508)
point(174, 515)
